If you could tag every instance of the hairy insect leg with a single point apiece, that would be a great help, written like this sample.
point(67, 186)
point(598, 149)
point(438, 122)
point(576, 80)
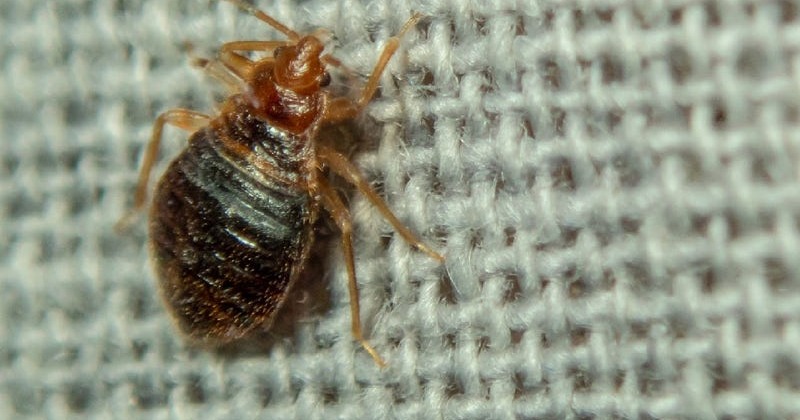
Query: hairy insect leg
point(336, 208)
point(342, 167)
point(185, 119)
point(340, 109)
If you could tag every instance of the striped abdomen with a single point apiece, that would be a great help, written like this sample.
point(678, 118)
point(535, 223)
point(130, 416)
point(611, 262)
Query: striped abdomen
point(227, 242)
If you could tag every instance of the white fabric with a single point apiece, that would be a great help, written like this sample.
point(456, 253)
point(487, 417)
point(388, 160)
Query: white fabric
point(614, 184)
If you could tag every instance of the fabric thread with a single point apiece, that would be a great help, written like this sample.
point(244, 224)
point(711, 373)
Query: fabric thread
point(614, 184)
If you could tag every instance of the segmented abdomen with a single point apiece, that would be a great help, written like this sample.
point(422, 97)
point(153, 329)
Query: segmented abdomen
point(226, 244)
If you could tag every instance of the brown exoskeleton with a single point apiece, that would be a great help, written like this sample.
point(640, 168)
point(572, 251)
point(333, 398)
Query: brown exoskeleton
point(232, 217)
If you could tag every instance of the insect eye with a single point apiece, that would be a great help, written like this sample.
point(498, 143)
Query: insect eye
point(326, 79)
point(277, 51)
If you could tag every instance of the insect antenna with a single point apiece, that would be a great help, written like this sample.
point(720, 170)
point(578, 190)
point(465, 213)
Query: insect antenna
point(269, 20)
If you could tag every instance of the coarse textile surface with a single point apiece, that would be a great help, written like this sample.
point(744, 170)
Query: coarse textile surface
point(615, 185)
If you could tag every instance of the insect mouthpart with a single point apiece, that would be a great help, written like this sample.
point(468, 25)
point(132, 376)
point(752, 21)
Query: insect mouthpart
point(299, 67)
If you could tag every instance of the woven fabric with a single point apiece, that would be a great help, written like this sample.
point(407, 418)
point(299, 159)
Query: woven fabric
point(615, 185)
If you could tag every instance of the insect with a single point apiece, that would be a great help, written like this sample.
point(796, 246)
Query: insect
point(231, 222)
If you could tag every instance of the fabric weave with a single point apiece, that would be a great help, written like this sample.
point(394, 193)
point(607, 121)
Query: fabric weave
point(614, 184)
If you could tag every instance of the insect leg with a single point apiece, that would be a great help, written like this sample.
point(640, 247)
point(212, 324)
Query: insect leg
point(340, 109)
point(342, 167)
point(182, 118)
point(336, 208)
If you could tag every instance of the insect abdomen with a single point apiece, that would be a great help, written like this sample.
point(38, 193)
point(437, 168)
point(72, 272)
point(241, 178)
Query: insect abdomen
point(226, 245)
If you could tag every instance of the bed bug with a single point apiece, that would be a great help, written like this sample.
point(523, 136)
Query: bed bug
point(232, 218)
